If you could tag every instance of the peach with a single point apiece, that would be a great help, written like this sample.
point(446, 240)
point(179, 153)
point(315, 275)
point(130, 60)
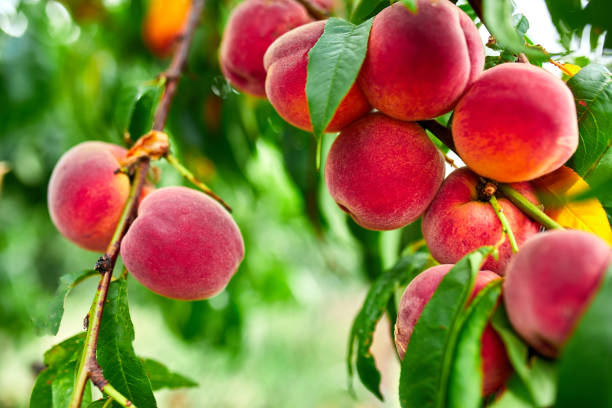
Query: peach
point(551, 282)
point(85, 196)
point(419, 64)
point(286, 63)
point(496, 367)
point(383, 172)
point(516, 123)
point(456, 223)
point(252, 26)
point(164, 23)
point(183, 244)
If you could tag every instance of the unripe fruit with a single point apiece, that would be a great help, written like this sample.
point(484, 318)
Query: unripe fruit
point(85, 196)
point(495, 364)
point(251, 28)
point(551, 282)
point(457, 223)
point(183, 244)
point(164, 23)
point(516, 123)
point(419, 64)
point(286, 63)
point(383, 172)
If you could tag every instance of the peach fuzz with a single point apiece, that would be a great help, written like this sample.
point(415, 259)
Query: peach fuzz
point(252, 26)
point(286, 63)
point(419, 64)
point(516, 123)
point(183, 244)
point(164, 23)
point(383, 172)
point(551, 282)
point(457, 223)
point(496, 367)
point(85, 196)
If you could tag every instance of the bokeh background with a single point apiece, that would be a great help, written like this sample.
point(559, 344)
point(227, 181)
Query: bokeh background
point(277, 336)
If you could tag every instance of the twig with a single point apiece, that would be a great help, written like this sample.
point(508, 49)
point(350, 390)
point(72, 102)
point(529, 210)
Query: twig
point(315, 11)
point(191, 177)
point(88, 365)
point(522, 58)
point(504, 222)
point(477, 7)
point(528, 207)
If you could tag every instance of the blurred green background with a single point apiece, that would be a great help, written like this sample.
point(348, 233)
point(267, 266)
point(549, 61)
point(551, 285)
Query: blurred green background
point(277, 336)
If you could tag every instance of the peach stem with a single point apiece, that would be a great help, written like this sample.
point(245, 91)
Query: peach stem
point(528, 207)
point(504, 222)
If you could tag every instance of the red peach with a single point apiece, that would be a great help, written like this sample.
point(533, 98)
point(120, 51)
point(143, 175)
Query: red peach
point(551, 282)
point(495, 364)
point(286, 63)
point(183, 244)
point(457, 223)
point(251, 28)
point(419, 64)
point(516, 123)
point(383, 172)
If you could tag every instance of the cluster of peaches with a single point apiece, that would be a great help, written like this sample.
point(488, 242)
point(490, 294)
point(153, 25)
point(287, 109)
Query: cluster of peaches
point(511, 124)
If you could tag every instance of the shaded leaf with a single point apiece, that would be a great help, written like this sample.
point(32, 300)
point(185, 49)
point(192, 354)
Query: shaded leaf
point(49, 323)
point(364, 9)
point(556, 190)
point(465, 381)
point(333, 65)
point(101, 403)
point(373, 308)
point(116, 355)
point(65, 352)
point(585, 372)
point(515, 395)
point(428, 358)
point(136, 106)
point(161, 377)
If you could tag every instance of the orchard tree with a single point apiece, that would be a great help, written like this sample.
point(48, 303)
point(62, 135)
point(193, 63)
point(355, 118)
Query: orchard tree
point(502, 295)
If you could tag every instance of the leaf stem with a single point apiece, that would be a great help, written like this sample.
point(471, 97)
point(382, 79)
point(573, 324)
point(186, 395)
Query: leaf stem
point(528, 207)
point(504, 222)
point(116, 395)
point(191, 177)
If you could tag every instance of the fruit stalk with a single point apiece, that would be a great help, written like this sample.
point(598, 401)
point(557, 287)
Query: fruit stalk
point(88, 366)
point(504, 222)
point(528, 207)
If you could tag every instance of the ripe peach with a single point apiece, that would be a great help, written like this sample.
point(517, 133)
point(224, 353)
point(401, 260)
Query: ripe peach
point(495, 364)
point(251, 28)
point(517, 122)
point(164, 23)
point(286, 63)
point(383, 172)
point(419, 64)
point(85, 196)
point(550, 283)
point(183, 244)
point(457, 223)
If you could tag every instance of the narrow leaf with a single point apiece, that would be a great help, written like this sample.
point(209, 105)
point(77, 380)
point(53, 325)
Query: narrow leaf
point(49, 322)
point(374, 306)
point(585, 368)
point(426, 365)
point(465, 381)
point(363, 9)
point(333, 65)
point(116, 354)
point(136, 106)
point(161, 377)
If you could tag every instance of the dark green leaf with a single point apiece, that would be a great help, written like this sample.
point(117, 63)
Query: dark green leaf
point(373, 308)
point(116, 355)
point(427, 363)
point(61, 387)
point(101, 403)
point(567, 17)
point(498, 19)
point(333, 65)
point(585, 369)
point(161, 377)
point(515, 395)
point(363, 9)
point(136, 108)
point(465, 381)
point(41, 396)
point(49, 323)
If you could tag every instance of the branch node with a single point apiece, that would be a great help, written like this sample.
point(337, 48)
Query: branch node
point(104, 264)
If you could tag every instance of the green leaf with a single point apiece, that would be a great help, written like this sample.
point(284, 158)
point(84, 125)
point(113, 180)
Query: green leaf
point(161, 377)
point(410, 5)
point(333, 65)
point(373, 308)
point(567, 17)
point(465, 381)
point(41, 396)
point(427, 363)
point(364, 9)
point(116, 355)
point(515, 395)
point(65, 352)
point(585, 371)
point(101, 403)
point(498, 18)
point(50, 322)
point(136, 107)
